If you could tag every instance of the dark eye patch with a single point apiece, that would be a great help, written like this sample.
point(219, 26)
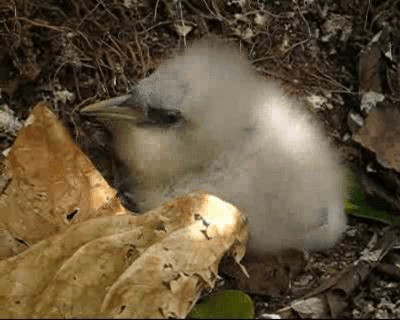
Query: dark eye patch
point(162, 118)
point(172, 118)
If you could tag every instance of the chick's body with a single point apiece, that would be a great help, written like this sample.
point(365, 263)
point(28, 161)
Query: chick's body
point(244, 140)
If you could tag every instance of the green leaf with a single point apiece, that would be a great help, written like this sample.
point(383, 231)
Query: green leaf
point(226, 304)
point(357, 204)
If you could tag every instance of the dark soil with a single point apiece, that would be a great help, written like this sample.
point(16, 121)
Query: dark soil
point(74, 52)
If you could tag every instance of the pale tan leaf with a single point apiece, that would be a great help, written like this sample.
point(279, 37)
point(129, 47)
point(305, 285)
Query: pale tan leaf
point(153, 265)
point(25, 276)
point(167, 278)
point(53, 184)
point(9, 246)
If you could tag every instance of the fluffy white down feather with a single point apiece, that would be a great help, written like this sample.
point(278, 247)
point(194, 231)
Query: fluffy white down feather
point(246, 141)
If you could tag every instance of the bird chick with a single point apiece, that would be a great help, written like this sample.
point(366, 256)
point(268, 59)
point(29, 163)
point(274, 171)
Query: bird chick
point(206, 120)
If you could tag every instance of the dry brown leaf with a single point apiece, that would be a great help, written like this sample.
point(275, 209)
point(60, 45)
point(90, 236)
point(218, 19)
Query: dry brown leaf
point(369, 66)
point(166, 280)
point(53, 184)
point(153, 265)
point(267, 276)
point(9, 246)
point(381, 134)
point(270, 274)
point(25, 276)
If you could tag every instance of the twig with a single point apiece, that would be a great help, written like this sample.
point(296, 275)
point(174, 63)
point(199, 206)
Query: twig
point(78, 91)
point(144, 69)
point(183, 23)
point(366, 14)
point(87, 15)
point(43, 24)
point(155, 10)
point(162, 23)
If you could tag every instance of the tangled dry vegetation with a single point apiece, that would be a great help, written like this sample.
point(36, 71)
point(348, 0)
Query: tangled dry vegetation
point(95, 49)
point(71, 53)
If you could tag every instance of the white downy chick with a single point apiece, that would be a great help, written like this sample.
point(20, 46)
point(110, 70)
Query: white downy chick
point(206, 120)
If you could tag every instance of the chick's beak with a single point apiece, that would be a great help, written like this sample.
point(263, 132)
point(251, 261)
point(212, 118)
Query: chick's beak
point(128, 108)
point(119, 108)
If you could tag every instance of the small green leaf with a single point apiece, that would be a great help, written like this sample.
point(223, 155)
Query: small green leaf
point(227, 304)
point(357, 204)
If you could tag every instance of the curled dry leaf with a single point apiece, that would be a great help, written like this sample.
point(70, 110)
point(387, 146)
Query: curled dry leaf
point(24, 277)
point(166, 280)
point(52, 183)
point(148, 266)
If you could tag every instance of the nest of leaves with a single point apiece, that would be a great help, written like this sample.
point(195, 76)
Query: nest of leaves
point(71, 53)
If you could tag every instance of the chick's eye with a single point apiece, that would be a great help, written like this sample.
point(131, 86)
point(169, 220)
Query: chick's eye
point(172, 118)
point(162, 118)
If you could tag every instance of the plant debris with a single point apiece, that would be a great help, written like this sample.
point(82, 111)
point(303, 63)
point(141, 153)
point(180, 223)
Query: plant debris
point(343, 55)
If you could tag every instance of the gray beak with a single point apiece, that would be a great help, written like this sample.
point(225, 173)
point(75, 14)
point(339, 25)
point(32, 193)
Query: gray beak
point(119, 108)
point(126, 108)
